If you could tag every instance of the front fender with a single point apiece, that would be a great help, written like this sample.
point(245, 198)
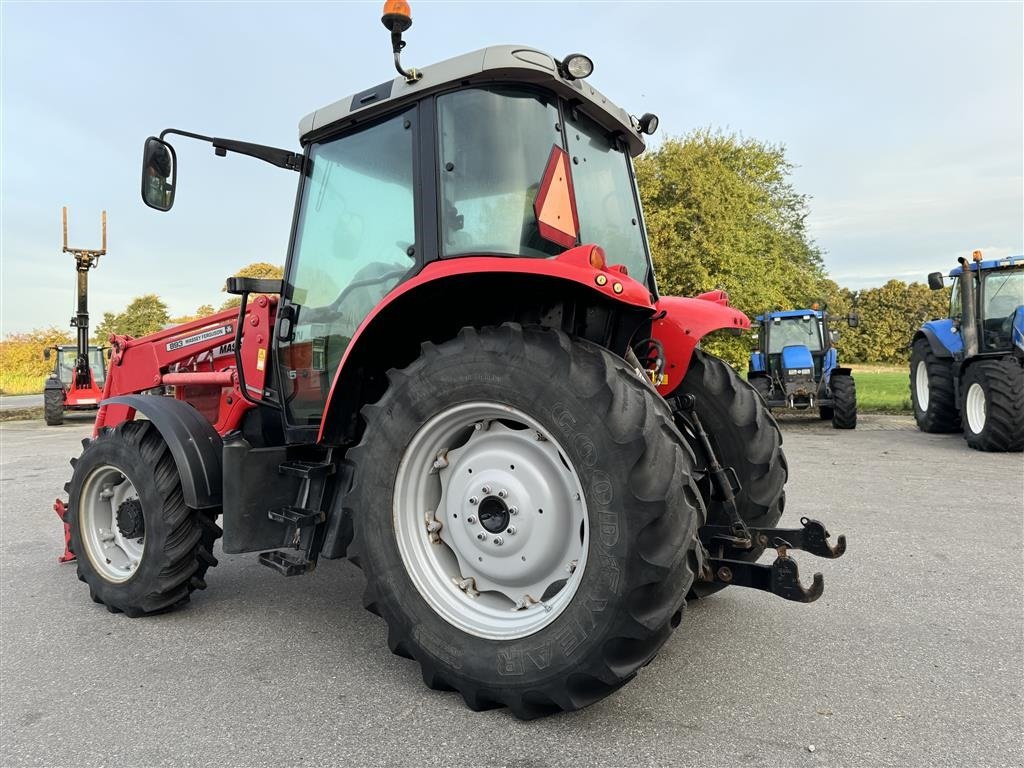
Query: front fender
point(684, 323)
point(195, 446)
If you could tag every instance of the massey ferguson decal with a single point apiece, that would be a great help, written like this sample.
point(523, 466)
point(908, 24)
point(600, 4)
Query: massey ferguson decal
point(199, 338)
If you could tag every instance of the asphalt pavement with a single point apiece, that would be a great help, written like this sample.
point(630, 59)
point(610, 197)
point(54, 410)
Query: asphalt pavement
point(914, 656)
point(15, 402)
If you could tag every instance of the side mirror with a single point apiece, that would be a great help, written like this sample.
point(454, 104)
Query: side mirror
point(935, 281)
point(46, 354)
point(159, 174)
point(853, 320)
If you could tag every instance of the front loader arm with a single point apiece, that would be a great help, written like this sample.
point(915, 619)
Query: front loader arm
point(198, 360)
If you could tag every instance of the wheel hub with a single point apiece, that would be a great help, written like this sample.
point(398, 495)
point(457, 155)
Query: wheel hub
point(130, 521)
point(494, 514)
point(112, 523)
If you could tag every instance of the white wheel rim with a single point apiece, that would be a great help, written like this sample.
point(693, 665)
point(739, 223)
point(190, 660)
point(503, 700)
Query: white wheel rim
point(491, 521)
point(975, 408)
point(921, 385)
point(114, 556)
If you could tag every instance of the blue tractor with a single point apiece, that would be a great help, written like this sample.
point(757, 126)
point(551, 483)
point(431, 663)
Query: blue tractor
point(967, 370)
point(796, 365)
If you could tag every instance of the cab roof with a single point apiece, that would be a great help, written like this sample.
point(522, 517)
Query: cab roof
point(1008, 261)
point(788, 313)
point(500, 63)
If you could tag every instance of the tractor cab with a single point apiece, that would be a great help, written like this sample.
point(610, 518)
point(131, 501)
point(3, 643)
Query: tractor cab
point(505, 153)
point(997, 286)
point(796, 359)
point(65, 360)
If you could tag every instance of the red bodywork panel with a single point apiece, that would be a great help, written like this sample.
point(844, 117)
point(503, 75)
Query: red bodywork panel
point(572, 265)
point(198, 360)
point(76, 396)
point(685, 322)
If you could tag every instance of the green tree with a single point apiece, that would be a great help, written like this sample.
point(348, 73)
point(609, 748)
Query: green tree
point(258, 269)
point(889, 315)
point(201, 311)
point(144, 314)
point(721, 212)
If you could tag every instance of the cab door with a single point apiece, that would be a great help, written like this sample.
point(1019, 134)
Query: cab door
point(354, 240)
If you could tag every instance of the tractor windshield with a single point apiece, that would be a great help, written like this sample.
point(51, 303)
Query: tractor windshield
point(66, 358)
point(495, 144)
point(96, 363)
point(804, 331)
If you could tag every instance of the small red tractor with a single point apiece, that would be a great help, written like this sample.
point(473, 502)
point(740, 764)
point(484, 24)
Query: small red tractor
point(467, 384)
point(76, 383)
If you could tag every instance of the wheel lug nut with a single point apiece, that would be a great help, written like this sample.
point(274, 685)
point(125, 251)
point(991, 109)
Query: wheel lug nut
point(481, 535)
point(470, 519)
point(473, 500)
point(511, 531)
point(513, 510)
point(486, 489)
point(503, 493)
point(498, 540)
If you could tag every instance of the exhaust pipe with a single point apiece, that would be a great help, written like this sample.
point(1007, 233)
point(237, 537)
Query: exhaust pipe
point(968, 310)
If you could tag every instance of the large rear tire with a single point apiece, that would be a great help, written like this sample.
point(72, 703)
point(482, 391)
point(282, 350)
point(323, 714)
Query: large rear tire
point(931, 390)
point(844, 401)
point(53, 407)
point(993, 405)
point(138, 546)
point(587, 455)
point(744, 436)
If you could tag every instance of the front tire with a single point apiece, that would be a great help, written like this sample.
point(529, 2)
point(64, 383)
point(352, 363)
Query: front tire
point(993, 405)
point(931, 390)
point(744, 436)
point(138, 546)
point(844, 401)
point(53, 407)
point(502, 418)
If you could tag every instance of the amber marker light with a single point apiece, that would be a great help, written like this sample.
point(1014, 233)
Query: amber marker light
point(976, 255)
point(397, 16)
point(597, 257)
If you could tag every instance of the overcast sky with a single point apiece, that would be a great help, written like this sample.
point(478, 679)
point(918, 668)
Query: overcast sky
point(905, 121)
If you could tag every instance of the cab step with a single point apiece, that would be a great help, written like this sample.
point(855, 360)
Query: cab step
point(297, 517)
point(306, 469)
point(284, 564)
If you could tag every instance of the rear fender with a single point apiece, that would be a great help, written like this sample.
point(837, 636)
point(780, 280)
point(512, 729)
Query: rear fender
point(684, 323)
point(475, 291)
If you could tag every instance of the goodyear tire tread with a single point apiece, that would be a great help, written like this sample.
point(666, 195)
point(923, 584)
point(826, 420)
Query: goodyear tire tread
point(653, 556)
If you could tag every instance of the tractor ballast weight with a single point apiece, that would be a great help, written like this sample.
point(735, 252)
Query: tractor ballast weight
point(967, 369)
point(78, 374)
point(796, 365)
point(457, 387)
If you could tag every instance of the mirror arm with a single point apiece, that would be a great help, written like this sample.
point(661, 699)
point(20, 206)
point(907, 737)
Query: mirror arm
point(282, 158)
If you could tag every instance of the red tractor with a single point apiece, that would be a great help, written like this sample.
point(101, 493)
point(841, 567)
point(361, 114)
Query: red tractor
point(466, 383)
point(76, 383)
